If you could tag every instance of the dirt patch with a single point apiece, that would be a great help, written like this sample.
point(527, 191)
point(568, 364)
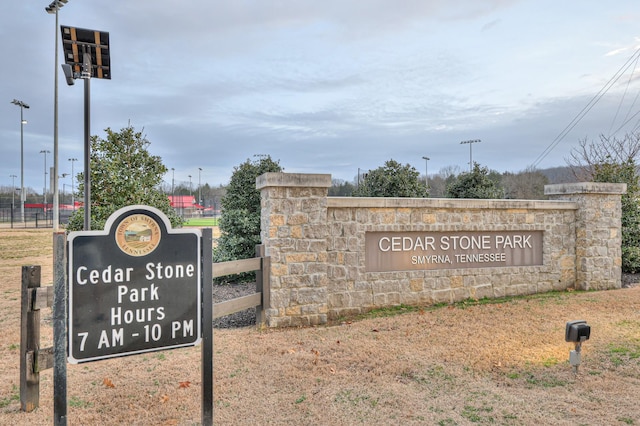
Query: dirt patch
point(503, 363)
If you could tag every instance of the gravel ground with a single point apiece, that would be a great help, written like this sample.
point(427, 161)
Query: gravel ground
point(630, 280)
point(222, 292)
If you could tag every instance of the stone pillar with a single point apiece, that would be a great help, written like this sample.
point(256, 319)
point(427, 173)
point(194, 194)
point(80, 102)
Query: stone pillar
point(598, 231)
point(294, 232)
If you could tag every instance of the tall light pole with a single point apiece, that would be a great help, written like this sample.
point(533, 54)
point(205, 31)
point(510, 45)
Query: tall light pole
point(190, 187)
point(199, 186)
point(59, 330)
point(73, 178)
point(53, 9)
point(173, 181)
point(45, 152)
point(470, 142)
point(22, 106)
point(13, 193)
point(64, 175)
point(426, 171)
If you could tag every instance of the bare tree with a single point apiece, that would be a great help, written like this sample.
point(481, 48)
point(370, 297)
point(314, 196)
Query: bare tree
point(525, 185)
point(614, 160)
point(438, 183)
point(588, 156)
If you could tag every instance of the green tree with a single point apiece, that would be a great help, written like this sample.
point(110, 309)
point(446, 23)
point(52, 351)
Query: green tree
point(123, 173)
point(625, 173)
point(614, 161)
point(240, 220)
point(392, 180)
point(478, 183)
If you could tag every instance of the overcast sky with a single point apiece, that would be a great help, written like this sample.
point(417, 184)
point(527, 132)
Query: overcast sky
point(328, 86)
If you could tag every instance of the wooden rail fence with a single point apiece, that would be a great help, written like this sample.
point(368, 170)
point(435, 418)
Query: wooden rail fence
point(260, 299)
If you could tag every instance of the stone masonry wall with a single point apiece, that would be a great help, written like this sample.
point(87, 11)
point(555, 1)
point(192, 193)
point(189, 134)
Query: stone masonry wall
point(598, 231)
point(352, 290)
point(317, 247)
point(294, 227)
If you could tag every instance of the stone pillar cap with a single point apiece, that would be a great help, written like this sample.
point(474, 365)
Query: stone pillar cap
point(301, 180)
point(586, 188)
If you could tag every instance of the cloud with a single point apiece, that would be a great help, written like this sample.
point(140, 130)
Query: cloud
point(328, 86)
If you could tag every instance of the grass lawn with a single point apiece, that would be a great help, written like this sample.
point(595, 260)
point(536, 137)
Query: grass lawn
point(202, 221)
point(498, 362)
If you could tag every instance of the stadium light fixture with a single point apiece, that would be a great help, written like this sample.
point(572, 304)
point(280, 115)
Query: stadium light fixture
point(470, 142)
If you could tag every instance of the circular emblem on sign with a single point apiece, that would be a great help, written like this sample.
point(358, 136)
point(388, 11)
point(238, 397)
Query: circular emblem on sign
point(138, 235)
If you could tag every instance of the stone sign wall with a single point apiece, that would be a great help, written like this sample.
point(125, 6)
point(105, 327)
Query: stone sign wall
point(336, 256)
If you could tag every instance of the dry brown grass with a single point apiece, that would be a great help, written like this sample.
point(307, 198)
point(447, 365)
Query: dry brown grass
point(503, 363)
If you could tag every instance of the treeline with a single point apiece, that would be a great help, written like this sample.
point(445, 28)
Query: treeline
point(526, 184)
point(521, 185)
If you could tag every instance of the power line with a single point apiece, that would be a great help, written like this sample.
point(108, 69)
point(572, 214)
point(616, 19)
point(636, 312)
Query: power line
point(626, 89)
point(586, 109)
point(626, 122)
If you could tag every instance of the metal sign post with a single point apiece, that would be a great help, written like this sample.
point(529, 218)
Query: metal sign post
point(207, 328)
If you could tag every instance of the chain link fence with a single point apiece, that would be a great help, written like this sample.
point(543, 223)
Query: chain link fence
point(11, 216)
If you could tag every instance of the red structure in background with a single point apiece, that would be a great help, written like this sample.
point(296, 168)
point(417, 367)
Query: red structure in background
point(186, 205)
point(49, 206)
point(183, 202)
